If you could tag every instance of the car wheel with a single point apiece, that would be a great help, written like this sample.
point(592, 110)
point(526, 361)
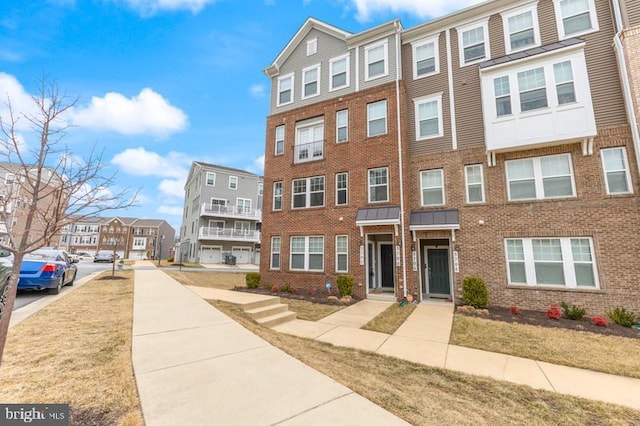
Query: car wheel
point(57, 288)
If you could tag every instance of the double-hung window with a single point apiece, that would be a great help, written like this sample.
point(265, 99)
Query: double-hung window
point(565, 262)
point(474, 181)
point(342, 189)
point(428, 117)
point(342, 253)
point(473, 42)
point(378, 185)
point(575, 17)
point(233, 182)
point(280, 140)
point(342, 126)
point(521, 28)
point(308, 192)
point(533, 90)
point(285, 89)
point(276, 243)
point(432, 187)
point(311, 81)
point(307, 254)
point(377, 118)
point(425, 57)
point(211, 179)
point(339, 73)
point(540, 178)
point(565, 89)
point(616, 170)
point(376, 60)
point(277, 195)
point(502, 93)
point(309, 144)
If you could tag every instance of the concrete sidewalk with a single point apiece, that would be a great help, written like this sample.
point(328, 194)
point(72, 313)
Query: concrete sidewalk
point(196, 366)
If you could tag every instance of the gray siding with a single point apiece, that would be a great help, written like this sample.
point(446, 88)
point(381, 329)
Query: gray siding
point(392, 56)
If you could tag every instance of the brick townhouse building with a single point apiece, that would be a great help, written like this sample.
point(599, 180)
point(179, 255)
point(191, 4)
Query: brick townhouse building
point(499, 141)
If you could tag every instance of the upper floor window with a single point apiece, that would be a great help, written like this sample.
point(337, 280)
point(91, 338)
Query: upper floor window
point(377, 118)
point(312, 46)
point(285, 89)
point(425, 57)
point(211, 179)
point(307, 254)
point(432, 187)
point(533, 90)
point(521, 28)
point(277, 196)
point(342, 189)
point(9, 178)
point(428, 117)
point(473, 42)
point(339, 72)
point(275, 252)
point(474, 181)
point(565, 89)
point(378, 185)
point(309, 144)
point(260, 189)
point(575, 17)
point(233, 182)
point(376, 60)
point(342, 126)
point(308, 192)
point(280, 140)
point(310, 81)
point(502, 92)
point(616, 170)
point(540, 178)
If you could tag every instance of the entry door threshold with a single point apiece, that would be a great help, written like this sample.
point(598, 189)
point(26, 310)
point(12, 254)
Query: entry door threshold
point(385, 297)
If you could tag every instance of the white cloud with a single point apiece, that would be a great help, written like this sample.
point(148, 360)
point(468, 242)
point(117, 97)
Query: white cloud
point(257, 166)
point(172, 187)
point(147, 113)
point(150, 7)
point(21, 101)
point(140, 162)
point(366, 9)
point(257, 90)
point(170, 210)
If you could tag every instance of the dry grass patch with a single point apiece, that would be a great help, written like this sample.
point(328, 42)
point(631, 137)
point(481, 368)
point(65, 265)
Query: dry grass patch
point(424, 396)
point(77, 351)
point(608, 354)
point(310, 311)
point(221, 280)
point(389, 320)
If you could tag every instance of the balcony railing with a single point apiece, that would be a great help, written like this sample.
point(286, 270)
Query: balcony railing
point(231, 211)
point(214, 233)
point(308, 152)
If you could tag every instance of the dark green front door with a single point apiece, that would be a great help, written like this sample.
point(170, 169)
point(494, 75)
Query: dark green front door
point(438, 271)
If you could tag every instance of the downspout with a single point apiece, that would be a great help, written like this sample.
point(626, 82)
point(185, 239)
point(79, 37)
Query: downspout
point(400, 168)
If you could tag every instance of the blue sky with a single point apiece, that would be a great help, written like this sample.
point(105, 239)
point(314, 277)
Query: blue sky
point(162, 83)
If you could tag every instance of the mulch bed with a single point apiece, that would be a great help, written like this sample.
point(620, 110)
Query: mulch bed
point(540, 319)
point(318, 297)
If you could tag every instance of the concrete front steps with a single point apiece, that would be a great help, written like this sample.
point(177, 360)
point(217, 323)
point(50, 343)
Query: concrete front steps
point(269, 312)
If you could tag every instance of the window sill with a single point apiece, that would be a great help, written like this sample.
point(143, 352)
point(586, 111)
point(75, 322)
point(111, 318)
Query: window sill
point(304, 271)
point(555, 288)
point(621, 195)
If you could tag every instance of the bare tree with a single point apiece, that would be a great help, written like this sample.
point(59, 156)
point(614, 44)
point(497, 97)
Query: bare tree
point(51, 188)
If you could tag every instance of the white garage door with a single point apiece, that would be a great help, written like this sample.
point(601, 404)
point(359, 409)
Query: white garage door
point(243, 255)
point(211, 255)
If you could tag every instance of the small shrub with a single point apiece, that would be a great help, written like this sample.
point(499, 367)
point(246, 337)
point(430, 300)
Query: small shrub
point(600, 321)
point(286, 288)
point(474, 292)
point(345, 285)
point(622, 317)
point(574, 312)
point(170, 259)
point(252, 279)
point(274, 289)
point(554, 312)
point(267, 286)
point(515, 310)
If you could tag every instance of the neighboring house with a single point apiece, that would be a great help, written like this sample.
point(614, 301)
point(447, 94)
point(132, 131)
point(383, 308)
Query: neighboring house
point(513, 156)
point(150, 238)
point(82, 235)
point(222, 215)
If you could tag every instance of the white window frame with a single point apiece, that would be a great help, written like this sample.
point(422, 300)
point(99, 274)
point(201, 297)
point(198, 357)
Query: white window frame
point(468, 184)
point(312, 46)
point(425, 100)
point(435, 40)
point(311, 148)
point(545, 87)
point(346, 125)
point(441, 187)
point(344, 253)
point(304, 83)
point(386, 169)
point(234, 185)
point(139, 243)
point(207, 179)
point(626, 170)
point(9, 178)
point(386, 117)
point(531, 8)
point(496, 96)
point(277, 196)
point(346, 58)
point(308, 192)
point(273, 252)
point(260, 189)
point(385, 48)
point(593, 17)
point(346, 189)
point(538, 178)
point(567, 263)
point(484, 24)
point(278, 139)
point(280, 80)
point(307, 253)
point(246, 205)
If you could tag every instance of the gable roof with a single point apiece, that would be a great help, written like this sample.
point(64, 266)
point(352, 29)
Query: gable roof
point(204, 165)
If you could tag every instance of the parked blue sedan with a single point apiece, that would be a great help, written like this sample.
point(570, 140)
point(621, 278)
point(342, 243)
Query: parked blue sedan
point(47, 269)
